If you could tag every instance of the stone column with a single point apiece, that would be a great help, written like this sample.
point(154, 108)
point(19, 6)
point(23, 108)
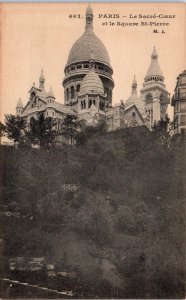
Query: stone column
point(156, 108)
point(86, 100)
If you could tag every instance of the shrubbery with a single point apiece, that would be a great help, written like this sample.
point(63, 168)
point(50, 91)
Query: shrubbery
point(130, 202)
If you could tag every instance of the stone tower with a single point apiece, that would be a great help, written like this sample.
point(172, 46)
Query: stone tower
point(135, 99)
point(154, 93)
point(78, 64)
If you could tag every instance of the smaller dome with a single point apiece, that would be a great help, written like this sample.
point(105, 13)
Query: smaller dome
point(50, 94)
point(92, 84)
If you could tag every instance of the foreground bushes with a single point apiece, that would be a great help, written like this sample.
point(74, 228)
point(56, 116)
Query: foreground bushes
point(128, 208)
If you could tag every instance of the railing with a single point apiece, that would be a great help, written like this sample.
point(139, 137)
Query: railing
point(85, 70)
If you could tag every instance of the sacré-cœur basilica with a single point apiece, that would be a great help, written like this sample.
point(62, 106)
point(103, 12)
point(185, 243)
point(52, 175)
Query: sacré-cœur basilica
point(88, 86)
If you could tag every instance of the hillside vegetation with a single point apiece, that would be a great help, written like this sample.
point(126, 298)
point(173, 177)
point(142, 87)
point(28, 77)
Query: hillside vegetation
point(122, 230)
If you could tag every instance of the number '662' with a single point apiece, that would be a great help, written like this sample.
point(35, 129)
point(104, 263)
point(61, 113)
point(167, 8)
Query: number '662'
point(74, 16)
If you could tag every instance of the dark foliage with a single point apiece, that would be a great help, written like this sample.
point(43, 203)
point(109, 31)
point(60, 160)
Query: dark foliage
point(69, 127)
point(41, 131)
point(122, 229)
point(14, 127)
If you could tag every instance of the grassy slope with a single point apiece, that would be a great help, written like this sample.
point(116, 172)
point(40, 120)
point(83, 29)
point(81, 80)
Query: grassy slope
point(125, 224)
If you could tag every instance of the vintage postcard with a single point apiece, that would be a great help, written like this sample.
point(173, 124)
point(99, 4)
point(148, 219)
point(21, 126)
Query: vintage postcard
point(93, 121)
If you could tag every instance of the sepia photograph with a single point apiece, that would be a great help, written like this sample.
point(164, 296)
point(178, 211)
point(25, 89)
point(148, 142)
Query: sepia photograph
point(92, 152)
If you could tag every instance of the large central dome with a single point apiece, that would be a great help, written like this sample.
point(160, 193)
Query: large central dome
point(88, 42)
point(78, 64)
point(84, 45)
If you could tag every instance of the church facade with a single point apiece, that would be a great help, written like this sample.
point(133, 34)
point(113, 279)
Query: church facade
point(88, 86)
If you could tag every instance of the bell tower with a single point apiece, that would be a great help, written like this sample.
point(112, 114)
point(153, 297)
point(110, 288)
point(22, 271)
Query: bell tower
point(153, 93)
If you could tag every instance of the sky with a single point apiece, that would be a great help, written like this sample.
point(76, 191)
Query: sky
point(40, 35)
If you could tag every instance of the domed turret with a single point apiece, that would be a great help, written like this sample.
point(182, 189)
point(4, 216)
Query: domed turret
point(50, 94)
point(154, 68)
point(92, 84)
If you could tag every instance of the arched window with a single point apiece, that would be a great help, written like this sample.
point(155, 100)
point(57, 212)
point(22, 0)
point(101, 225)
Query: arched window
point(161, 98)
point(101, 106)
point(149, 99)
point(94, 102)
point(83, 104)
point(89, 103)
point(78, 87)
point(32, 120)
point(67, 94)
point(133, 114)
point(72, 92)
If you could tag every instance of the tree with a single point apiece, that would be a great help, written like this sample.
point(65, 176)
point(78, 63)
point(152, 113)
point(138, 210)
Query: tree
point(69, 127)
point(41, 130)
point(163, 131)
point(2, 129)
point(14, 127)
point(162, 126)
